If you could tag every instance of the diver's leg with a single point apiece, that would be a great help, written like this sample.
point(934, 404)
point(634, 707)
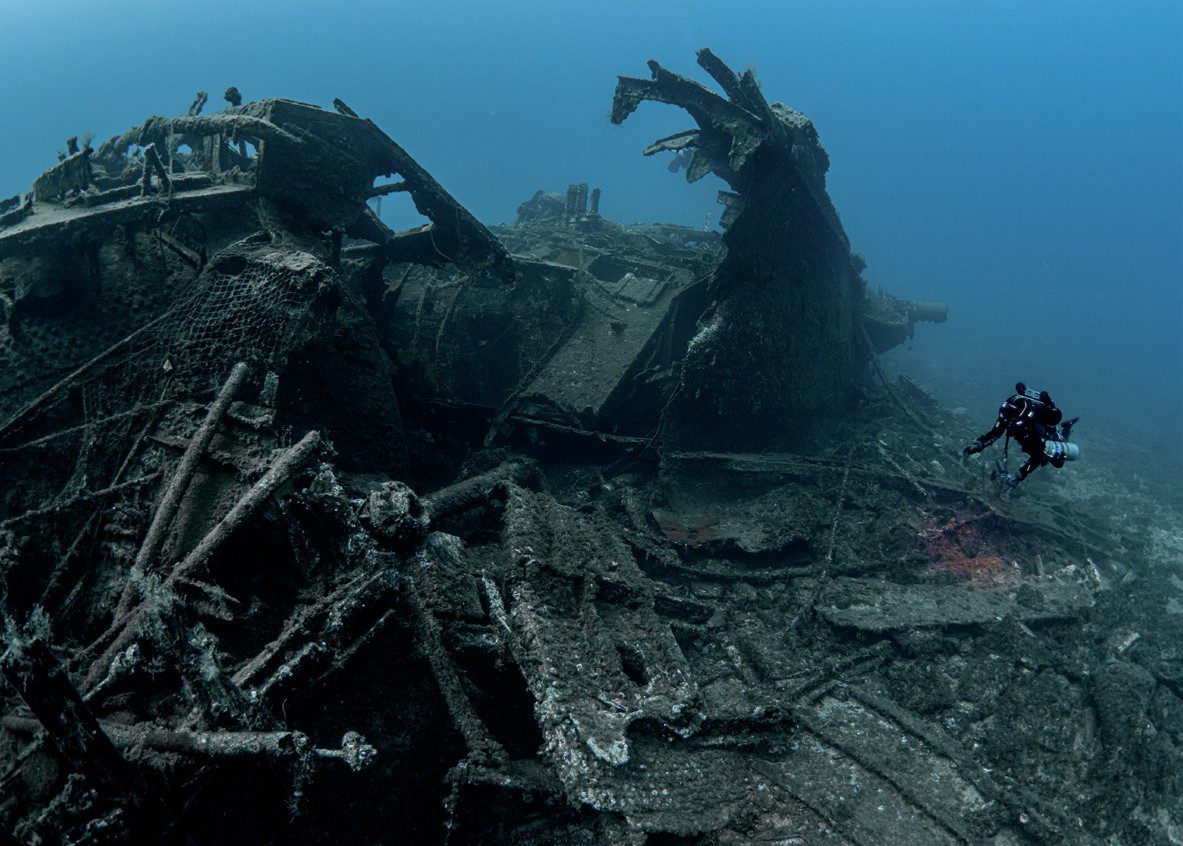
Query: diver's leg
point(1029, 465)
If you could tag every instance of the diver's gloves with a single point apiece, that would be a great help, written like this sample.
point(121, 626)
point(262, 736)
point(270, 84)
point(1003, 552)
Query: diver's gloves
point(1010, 480)
point(974, 448)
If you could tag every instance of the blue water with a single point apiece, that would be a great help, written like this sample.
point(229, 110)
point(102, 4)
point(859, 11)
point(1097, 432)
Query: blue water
point(1022, 162)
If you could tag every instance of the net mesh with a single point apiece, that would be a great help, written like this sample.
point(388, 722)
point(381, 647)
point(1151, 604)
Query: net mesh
point(254, 307)
point(242, 311)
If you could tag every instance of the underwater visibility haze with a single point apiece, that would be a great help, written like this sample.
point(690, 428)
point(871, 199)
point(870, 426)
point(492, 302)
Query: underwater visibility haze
point(647, 423)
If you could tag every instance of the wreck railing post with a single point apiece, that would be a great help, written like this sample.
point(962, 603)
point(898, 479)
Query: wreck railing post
point(124, 628)
point(183, 474)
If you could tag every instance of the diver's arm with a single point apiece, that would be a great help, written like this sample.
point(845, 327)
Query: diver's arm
point(985, 440)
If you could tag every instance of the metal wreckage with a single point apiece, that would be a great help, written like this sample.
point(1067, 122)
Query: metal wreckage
point(563, 531)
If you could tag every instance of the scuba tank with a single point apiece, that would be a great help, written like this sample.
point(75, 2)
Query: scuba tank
point(1054, 448)
point(1061, 450)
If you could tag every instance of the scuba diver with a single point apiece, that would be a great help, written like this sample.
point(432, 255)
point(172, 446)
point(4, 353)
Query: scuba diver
point(1033, 420)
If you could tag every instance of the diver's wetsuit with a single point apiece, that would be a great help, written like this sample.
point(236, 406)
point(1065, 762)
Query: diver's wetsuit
point(1032, 423)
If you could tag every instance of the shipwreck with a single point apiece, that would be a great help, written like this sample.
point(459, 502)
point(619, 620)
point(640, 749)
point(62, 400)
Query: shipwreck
point(559, 531)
